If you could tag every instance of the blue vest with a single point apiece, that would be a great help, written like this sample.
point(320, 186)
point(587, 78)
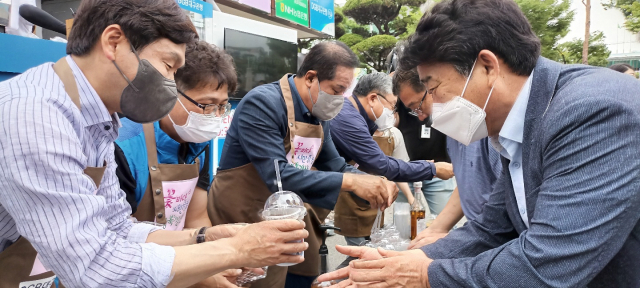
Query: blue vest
point(131, 141)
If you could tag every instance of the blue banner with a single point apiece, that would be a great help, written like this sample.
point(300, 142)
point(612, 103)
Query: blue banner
point(321, 12)
point(197, 6)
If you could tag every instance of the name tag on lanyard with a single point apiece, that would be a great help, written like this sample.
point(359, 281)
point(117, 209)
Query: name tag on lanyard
point(425, 132)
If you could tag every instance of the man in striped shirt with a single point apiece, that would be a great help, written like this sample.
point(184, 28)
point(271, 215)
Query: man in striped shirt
point(123, 55)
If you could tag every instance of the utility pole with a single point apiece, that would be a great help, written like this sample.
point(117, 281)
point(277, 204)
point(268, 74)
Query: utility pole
point(585, 45)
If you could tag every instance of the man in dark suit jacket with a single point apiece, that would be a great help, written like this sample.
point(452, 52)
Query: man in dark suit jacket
point(566, 210)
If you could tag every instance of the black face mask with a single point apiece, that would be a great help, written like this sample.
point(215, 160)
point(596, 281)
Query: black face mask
point(150, 96)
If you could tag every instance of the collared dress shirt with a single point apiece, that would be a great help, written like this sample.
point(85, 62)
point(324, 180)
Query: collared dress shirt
point(477, 168)
point(83, 234)
point(510, 146)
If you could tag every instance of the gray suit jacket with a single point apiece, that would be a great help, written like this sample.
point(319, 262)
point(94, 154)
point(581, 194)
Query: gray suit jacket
point(581, 154)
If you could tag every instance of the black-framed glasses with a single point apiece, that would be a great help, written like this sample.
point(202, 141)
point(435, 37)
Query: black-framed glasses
point(417, 112)
point(395, 107)
point(221, 110)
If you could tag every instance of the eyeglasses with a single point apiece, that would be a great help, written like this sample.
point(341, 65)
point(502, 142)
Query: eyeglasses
point(395, 107)
point(221, 110)
point(417, 112)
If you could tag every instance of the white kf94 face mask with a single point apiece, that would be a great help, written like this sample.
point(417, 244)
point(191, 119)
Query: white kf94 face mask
point(199, 128)
point(460, 119)
point(387, 118)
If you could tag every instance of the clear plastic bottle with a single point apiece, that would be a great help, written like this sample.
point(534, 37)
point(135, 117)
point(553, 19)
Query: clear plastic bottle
point(418, 210)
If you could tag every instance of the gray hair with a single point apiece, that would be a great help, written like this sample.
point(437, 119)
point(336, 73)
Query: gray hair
point(374, 82)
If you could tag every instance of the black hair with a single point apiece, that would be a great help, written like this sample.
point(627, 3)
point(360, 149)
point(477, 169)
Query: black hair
point(142, 22)
point(457, 30)
point(325, 57)
point(622, 67)
point(205, 63)
point(407, 77)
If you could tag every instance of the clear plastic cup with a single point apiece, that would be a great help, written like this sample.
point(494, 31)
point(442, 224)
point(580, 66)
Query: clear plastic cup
point(284, 205)
point(249, 276)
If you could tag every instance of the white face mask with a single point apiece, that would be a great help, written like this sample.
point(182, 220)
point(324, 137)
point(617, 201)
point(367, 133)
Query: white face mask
point(328, 106)
point(461, 119)
point(436, 109)
point(386, 120)
point(199, 128)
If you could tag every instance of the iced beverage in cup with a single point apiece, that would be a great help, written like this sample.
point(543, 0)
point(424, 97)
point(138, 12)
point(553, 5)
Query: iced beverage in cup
point(284, 205)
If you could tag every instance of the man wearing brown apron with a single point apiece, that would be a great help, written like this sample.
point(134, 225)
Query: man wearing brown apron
point(286, 120)
point(61, 209)
point(358, 133)
point(157, 161)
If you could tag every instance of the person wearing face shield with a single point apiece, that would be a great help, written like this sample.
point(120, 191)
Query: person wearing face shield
point(362, 135)
point(288, 121)
point(62, 212)
point(566, 209)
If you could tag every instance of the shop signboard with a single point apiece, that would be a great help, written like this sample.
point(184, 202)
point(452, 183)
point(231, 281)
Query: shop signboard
point(321, 12)
point(198, 11)
point(203, 8)
point(293, 10)
point(264, 5)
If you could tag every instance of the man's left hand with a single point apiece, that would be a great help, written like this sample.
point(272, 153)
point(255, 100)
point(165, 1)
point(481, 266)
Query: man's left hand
point(397, 269)
point(222, 231)
point(426, 237)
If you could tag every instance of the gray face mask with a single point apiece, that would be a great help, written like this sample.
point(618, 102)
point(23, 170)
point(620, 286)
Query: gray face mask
point(150, 96)
point(328, 106)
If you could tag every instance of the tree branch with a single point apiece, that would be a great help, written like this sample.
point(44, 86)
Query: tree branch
point(400, 31)
point(564, 60)
point(379, 27)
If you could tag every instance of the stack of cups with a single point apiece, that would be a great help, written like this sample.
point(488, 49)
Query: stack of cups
point(402, 219)
point(284, 205)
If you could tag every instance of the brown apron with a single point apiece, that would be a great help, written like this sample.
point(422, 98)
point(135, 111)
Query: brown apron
point(152, 205)
point(17, 261)
point(353, 215)
point(244, 189)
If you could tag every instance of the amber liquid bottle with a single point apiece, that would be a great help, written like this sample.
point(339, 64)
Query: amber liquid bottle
point(417, 209)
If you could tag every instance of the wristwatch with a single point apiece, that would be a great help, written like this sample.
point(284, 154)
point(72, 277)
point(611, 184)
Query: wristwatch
point(200, 236)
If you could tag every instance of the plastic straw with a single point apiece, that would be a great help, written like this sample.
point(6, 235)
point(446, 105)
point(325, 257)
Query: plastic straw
point(275, 162)
point(376, 222)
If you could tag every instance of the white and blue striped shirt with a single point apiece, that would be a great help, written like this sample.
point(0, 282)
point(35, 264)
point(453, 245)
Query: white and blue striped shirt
point(87, 239)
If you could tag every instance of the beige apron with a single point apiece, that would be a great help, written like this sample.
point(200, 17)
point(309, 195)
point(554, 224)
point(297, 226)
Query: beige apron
point(169, 189)
point(243, 187)
point(353, 215)
point(20, 260)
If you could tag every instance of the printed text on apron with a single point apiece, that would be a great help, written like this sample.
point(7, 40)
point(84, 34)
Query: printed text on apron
point(169, 189)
